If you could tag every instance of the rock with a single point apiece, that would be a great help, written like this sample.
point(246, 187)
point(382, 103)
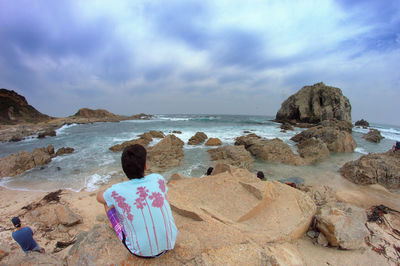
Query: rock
point(373, 135)
point(275, 150)
point(15, 109)
point(50, 133)
point(198, 138)
point(66, 217)
point(16, 138)
point(62, 151)
point(50, 150)
point(312, 234)
point(313, 150)
point(339, 125)
point(381, 168)
point(336, 140)
point(90, 113)
point(177, 132)
point(101, 218)
point(146, 136)
point(157, 134)
point(144, 140)
point(313, 104)
point(233, 155)
point(321, 240)
point(286, 126)
point(165, 154)
point(343, 225)
point(213, 142)
point(4, 250)
point(41, 156)
point(16, 164)
point(226, 229)
point(32, 258)
point(221, 168)
point(247, 140)
point(362, 123)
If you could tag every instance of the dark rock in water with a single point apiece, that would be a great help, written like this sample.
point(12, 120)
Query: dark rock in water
point(16, 138)
point(287, 126)
point(177, 132)
point(58, 168)
point(62, 151)
point(198, 138)
point(297, 180)
point(362, 123)
point(381, 168)
point(313, 104)
point(373, 135)
point(50, 133)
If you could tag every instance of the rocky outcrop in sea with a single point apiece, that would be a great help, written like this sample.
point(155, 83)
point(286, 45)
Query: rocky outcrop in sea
point(313, 104)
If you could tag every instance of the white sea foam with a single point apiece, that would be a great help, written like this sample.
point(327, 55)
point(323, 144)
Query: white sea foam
point(93, 182)
point(64, 127)
point(361, 150)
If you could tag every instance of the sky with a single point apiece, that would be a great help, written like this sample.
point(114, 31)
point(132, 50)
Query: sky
point(200, 57)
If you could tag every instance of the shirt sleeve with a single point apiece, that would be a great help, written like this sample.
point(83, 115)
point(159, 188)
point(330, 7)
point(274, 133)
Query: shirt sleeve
point(107, 197)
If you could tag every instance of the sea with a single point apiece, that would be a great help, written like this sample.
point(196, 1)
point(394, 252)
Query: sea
point(93, 164)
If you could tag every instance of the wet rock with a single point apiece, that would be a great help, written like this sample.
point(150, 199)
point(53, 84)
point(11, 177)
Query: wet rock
point(41, 156)
point(157, 134)
point(336, 140)
point(373, 135)
point(50, 149)
point(286, 126)
point(177, 132)
point(198, 138)
point(343, 225)
point(66, 217)
point(213, 142)
point(16, 138)
point(381, 168)
point(247, 140)
point(233, 155)
point(50, 133)
point(63, 150)
point(362, 123)
point(165, 154)
point(313, 150)
point(313, 104)
point(144, 140)
point(339, 125)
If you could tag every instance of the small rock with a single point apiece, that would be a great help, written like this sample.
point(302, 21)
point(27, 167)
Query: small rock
point(198, 138)
point(62, 151)
point(322, 240)
point(213, 142)
point(66, 216)
point(311, 234)
point(101, 218)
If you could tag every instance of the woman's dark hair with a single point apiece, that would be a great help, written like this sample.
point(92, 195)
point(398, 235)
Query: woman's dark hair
point(133, 161)
point(209, 171)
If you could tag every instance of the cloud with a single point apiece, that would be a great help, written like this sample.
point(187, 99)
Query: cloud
point(176, 56)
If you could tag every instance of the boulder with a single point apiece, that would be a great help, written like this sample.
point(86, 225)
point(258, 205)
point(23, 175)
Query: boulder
point(63, 150)
point(275, 150)
point(381, 168)
point(146, 136)
point(41, 156)
point(165, 154)
point(16, 138)
point(362, 123)
point(286, 126)
point(157, 134)
point(373, 135)
point(66, 217)
point(50, 149)
point(343, 225)
point(198, 138)
point(50, 133)
point(233, 155)
point(247, 140)
point(213, 142)
point(144, 140)
point(177, 132)
point(16, 164)
point(229, 228)
point(313, 104)
point(336, 140)
point(313, 150)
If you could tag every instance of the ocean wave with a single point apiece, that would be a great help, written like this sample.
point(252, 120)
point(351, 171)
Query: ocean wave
point(360, 150)
point(93, 182)
point(64, 127)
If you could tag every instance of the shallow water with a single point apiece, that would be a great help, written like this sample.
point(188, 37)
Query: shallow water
point(92, 164)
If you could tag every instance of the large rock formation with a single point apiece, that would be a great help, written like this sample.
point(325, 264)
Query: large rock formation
point(313, 104)
point(373, 135)
point(362, 123)
point(274, 150)
point(165, 154)
point(233, 155)
point(336, 140)
point(381, 168)
point(243, 221)
point(15, 109)
point(90, 113)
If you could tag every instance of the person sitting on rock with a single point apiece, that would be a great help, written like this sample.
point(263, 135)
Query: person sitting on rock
point(138, 209)
point(396, 147)
point(24, 237)
point(260, 175)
